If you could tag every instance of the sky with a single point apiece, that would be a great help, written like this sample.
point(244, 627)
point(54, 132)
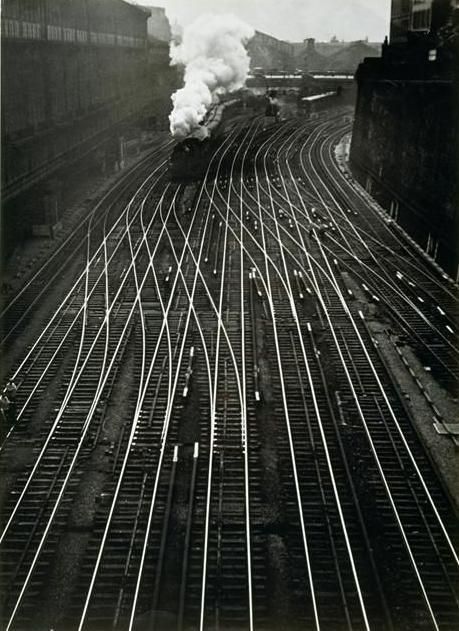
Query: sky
point(293, 20)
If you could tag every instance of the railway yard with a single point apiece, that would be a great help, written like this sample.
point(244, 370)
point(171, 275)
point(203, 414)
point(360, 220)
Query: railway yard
point(236, 405)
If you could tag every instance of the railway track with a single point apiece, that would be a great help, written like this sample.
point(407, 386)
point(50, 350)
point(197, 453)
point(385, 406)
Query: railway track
point(208, 435)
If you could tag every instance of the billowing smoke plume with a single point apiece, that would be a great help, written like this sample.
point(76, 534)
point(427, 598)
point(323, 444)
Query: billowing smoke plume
point(216, 62)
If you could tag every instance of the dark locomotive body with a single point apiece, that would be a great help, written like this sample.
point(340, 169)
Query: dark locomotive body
point(272, 107)
point(191, 157)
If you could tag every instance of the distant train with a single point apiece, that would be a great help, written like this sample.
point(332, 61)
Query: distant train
point(318, 102)
point(272, 107)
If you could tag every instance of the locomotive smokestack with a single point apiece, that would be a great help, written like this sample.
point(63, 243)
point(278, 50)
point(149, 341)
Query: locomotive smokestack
point(216, 63)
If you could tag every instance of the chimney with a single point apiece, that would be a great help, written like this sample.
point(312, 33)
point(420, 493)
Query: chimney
point(310, 45)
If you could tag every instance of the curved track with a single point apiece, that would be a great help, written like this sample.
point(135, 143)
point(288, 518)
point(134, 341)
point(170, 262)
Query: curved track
point(208, 435)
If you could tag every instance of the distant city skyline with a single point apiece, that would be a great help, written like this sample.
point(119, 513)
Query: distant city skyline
point(293, 20)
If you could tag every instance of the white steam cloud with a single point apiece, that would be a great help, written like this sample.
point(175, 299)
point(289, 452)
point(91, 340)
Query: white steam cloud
point(216, 63)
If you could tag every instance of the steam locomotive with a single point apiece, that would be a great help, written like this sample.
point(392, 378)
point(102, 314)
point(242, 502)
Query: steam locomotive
point(272, 108)
point(190, 157)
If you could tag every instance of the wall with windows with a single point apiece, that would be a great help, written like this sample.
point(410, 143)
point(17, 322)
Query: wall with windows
point(418, 16)
point(421, 15)
point(69, 71)
point(75, 75)
point(400, 20)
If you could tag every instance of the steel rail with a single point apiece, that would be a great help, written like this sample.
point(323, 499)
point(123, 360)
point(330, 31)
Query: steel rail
point(389, 406)
point(63, 405)
point(167, 420)
point(82, 275)
point(213, 408)
point(124, 178)
point(318, 414)
point(385, 223)
point(86, 426)
point(408, 547)
point(394, 288)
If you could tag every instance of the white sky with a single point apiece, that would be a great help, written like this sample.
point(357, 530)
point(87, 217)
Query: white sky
point(293, 20)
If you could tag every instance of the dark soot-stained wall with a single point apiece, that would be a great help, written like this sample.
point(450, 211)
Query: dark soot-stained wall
point(74, 75)
point(404, 148)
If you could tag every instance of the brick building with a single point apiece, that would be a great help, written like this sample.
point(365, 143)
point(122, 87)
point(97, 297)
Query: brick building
point(75, 75)
point(405, 140)
point(410, 17)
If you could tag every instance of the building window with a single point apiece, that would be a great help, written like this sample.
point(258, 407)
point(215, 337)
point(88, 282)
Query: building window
point(421, 20)
point(69, 34)
point(30, 30)
point(81, 36)
point(106, 38)
point(54, 33)
point(11, 28)
point(131, 42)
